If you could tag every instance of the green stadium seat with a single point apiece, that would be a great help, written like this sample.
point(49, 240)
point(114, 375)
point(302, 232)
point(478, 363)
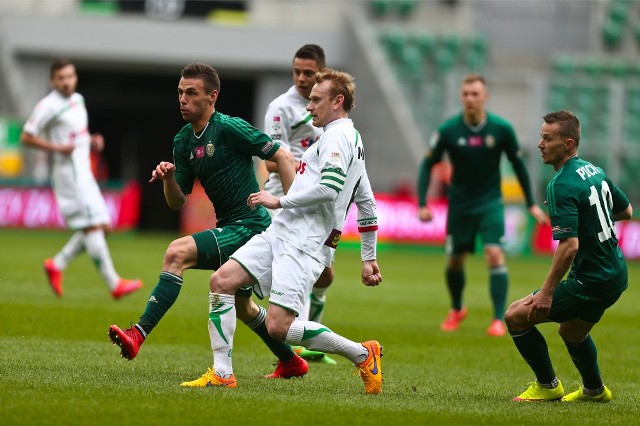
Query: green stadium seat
point(411, 66)
point(564, 65)
point(619, 11)
point(380, 7)
point(394, 41)
point(406, 7)
point(612, 33)
point(452, 43)
point(425, 41)
point(478, 44)
point(595, 67)
point(444, 59)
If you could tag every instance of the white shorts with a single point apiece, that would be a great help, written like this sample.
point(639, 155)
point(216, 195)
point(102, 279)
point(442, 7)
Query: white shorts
point(82, 204)
point(283, 272)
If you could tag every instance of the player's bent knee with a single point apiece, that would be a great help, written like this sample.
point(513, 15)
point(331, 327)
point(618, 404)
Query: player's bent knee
point(325, 279)
point(511, 317)
point(176, 255)
point(277, 330)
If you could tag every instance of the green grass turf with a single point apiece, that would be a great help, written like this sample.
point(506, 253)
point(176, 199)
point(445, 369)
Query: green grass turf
point(58, 367)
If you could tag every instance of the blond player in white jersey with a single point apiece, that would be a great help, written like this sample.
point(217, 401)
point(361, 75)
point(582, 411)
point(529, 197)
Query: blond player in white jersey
point(59, 125)
point(288, 122)
point(284, 261)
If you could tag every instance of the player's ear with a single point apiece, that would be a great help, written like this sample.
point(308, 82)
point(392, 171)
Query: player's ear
point(213, 96)
point(569, 144)
point(338, 100)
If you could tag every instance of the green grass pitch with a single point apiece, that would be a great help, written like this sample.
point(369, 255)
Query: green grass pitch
point(58, 367)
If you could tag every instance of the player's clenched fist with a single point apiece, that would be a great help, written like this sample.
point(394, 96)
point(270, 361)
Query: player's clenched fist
point(163, 170)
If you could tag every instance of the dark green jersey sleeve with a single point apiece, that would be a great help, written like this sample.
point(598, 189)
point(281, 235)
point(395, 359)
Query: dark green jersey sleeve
point(563, 202)
point(253, 141)
point(433, 156)
point(514, 155)
point(619, 200)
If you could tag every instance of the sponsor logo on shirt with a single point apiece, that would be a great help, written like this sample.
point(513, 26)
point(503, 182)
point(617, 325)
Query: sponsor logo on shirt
point(199, 151)
point(462, 141)
point(559, 230)
point(475, 141)
point(267, 147)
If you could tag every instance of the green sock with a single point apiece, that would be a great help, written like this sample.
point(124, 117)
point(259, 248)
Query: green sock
point(161, 299)
point(533, 348)
point(280, 349)
point(585, 357)
point(455, 284)
point(498, 285)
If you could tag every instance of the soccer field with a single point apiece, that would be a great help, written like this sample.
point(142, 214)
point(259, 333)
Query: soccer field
point(58, 367)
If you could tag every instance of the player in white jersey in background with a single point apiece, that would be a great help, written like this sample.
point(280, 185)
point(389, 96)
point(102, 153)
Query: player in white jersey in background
point(288, 122)
point(285, 261)
point(59, 125)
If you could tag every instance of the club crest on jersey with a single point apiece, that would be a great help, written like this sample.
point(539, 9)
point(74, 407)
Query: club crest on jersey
point(276, 125)
point(490, 141)
point(199, 151)
point(210, 149)
point(462, 141)
point(333, 239)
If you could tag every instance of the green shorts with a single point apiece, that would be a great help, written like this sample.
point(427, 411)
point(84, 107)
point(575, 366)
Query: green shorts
point(217, 244)
point(464, 227)
point(573, 300)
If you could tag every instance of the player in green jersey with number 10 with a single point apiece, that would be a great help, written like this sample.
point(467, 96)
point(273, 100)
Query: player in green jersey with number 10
point(583, 206)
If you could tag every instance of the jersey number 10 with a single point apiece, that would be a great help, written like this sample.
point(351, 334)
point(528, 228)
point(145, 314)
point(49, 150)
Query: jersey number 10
point(603, 204)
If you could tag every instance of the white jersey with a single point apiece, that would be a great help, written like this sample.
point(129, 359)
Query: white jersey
point(289, 123)
point(64, 120)
point(335, 161)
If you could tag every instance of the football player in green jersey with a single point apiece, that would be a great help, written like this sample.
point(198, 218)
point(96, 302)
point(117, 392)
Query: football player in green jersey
point(583, 206)
point(475, 140)
point(218, 150)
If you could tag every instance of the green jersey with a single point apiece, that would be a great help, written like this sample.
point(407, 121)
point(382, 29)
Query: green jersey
point(582, 201)
point(221, 157)
point(475, 153)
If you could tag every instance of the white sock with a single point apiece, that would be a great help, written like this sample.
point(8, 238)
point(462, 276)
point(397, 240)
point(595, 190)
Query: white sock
point(320, 338)
point(316, 303)
point(222, 326)
point(69, 251)
point(97, 248)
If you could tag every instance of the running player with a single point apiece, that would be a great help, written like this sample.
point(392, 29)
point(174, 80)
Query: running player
point(59, 125)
